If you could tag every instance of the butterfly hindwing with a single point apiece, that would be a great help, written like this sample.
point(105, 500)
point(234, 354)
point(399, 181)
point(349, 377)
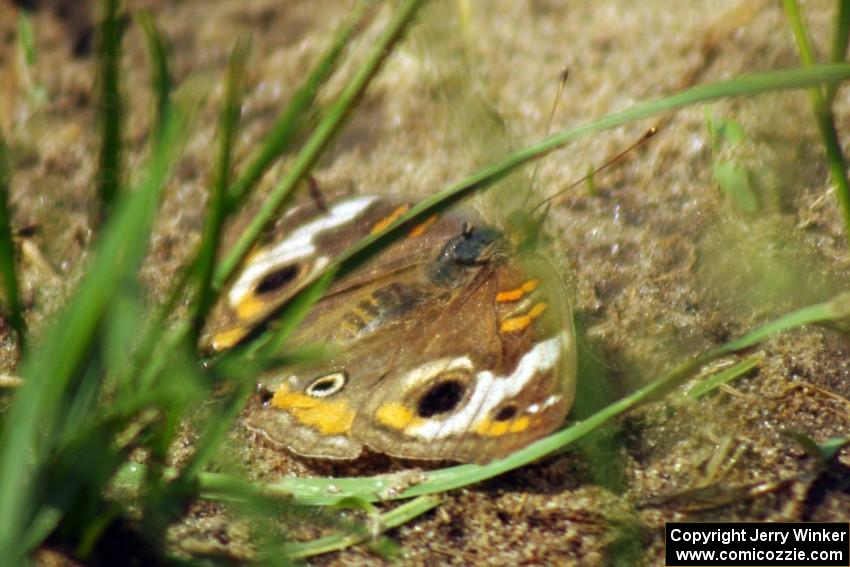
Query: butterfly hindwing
point(494, 371)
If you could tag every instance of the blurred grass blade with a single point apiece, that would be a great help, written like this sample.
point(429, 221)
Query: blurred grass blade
point(330, 123)
point(217, 427)
point(840, 38)
point(291, 317)
point(26, 39)
point(277, 141)
point(126, 314)
point(804, 46)
point(8, 264)
point(386, 521)
point(45, 522)
point(158, 55)
point(110, 111)
point(830, 448)
point(288, 125)
point(181, 387)
point(66, 344)
point(824, 118)
point(145, 361)
point(841, 32)
point(217, 206)
point(837, 311)
point(733, 177)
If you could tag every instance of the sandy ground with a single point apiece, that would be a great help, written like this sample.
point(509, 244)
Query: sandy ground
point(660, 263)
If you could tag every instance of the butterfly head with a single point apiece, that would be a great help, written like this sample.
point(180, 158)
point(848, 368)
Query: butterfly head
point(475, 246)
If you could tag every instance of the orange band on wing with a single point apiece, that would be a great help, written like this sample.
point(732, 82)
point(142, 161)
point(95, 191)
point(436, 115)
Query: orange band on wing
point(518, 293)
point(326, 417)
point(492, 428)
point(227, 339)
point(521, 322)
point(385, 222)
point(420, 228)
point(396, 416)
point(249, 307)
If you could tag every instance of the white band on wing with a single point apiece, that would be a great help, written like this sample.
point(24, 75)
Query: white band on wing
point(491, 391)
point(300, 244)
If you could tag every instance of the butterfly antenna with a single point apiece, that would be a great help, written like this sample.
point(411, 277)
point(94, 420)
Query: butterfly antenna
point(316, 194)
point(646, 136)
point(565, 74)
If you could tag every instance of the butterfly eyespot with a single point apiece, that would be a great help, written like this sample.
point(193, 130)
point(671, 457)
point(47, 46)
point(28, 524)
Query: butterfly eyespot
point(440, 398)
point(327, 385)
point(506, 413)
point(275, 280)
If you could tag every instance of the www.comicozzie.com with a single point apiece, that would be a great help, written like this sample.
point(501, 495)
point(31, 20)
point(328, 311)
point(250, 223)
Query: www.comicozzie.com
point(824, 544)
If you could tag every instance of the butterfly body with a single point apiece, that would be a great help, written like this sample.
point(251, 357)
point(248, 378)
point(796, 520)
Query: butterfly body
point(451, 345)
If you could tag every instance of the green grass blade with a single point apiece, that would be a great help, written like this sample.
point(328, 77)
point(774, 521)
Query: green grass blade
point(830, 448)
point(158, 55)
point(836, 163)
point(216, 429)
point(65, 347)
point(26, 39)
point(293, 314)
point(178, 390)
point(284, 131)
point(110, 111)
point(746, 85)
point(727, 375)
point(386, 521)
point(45, 522)
point(840, 39)
point(320, 491)
point(321, 137)
point(324, 491)
point(804, 45)
point(264, 352)
point(742, 86)
point(824, 118)
point(8, 267)
point(836, 310)
point(328, 491)
point(216, 208)
point(841, 32)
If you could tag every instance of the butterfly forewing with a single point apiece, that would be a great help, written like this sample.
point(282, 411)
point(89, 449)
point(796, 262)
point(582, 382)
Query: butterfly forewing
point(300, 245)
